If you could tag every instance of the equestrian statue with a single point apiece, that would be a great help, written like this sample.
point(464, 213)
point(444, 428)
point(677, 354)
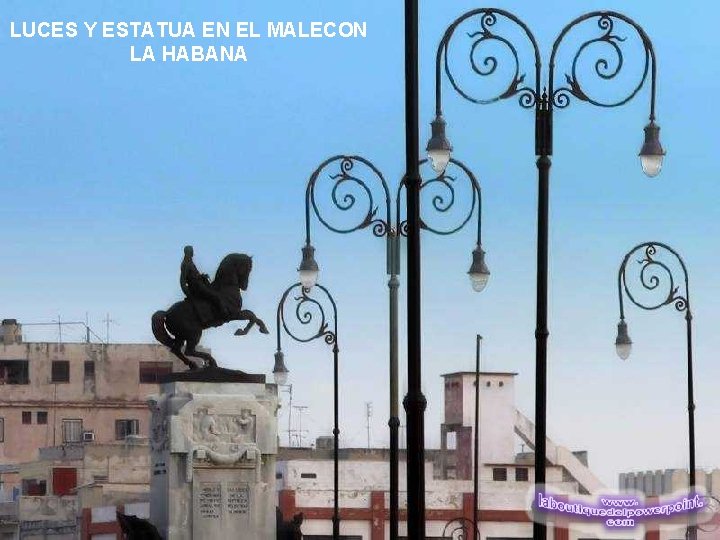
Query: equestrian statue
point(206, 304)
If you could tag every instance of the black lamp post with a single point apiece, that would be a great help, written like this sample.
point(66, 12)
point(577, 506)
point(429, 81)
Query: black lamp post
point(656, 277)
point(543, 95)
point(309, 312)
point(349, 181)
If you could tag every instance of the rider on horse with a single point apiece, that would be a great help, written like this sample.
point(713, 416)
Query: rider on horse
point(198, 290)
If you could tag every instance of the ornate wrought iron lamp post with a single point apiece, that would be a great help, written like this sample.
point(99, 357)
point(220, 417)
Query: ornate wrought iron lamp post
point(501, 28)
point(352, 183)
point(656, 278)
point(309, 312)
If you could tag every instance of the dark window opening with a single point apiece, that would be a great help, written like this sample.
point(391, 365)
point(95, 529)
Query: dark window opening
point(151, 372)
point(14, 372)
point(41, 417)
point(34, 488)
point(521, 474)
point(60, 371)
point(2, 430)
point(89, 369)
point(308, 475)
point(499, 474)
point(123, 428)
point(278, 475)
point(27, 417)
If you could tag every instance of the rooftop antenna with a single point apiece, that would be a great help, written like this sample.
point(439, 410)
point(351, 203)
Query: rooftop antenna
point(300, 431)
point(107, 320)
point(289, 390)
point(368, 415)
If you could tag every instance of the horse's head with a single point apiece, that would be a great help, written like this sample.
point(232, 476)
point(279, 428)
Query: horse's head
point(234, 268)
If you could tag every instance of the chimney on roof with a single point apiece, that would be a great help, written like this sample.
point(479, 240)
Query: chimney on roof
point(10, 332)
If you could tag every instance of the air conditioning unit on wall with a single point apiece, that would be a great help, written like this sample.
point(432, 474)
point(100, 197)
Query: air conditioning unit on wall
point(88, 436)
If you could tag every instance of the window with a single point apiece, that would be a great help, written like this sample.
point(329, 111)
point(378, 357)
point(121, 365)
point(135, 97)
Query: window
point(41, 417)
point(26, 417)
point(308, 475)
point(151, 372)
point(521, 474)
point(89, 369)
point(2, 430)
point(60, 371)
point(14, 372)
point(33, 487)
point(123, 428)
point(72, 431)
point(499, 474)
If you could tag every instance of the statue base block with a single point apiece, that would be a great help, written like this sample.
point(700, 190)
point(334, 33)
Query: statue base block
point(213, 443)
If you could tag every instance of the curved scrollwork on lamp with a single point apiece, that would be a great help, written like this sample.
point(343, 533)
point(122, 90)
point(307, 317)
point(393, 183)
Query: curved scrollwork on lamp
point(442, 189)
point(657, 280)
point(352, 195)
point(460, 529)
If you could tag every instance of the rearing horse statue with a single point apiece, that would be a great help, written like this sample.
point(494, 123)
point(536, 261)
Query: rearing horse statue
point(207, 304)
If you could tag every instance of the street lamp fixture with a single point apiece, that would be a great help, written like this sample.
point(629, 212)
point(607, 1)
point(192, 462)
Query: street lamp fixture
point(280, 372)
point(623, 343)
point(359, 193)
point(652, 153)
point(310, 322)
point(479, 273)
point(308, 269)
point(658, 279)
point(438, 147)
point(544, 90)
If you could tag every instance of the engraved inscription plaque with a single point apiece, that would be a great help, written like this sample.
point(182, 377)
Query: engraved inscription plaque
point(238, 498)
point(210, 500)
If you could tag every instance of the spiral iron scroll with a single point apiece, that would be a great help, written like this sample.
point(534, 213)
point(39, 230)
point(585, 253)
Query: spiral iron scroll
point(485, 65)
point(606, 67)
point(656, 277)
point(460, 529)
point(444, 198)
point(308, 312)
point(709, 517)
point(350, 191)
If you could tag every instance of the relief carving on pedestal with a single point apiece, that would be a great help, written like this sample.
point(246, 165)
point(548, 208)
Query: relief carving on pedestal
point(225, 439)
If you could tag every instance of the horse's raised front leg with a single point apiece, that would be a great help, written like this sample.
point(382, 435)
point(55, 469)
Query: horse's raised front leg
point(247, 315)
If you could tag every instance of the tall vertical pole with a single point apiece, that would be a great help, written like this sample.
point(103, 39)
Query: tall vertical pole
point(394, 422)
point(543, 131)
point(414, 402)
point(476, 441)
point(691, 421)
point(336, 449)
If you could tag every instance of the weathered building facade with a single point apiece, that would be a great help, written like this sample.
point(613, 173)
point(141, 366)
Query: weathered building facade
point(70, 393)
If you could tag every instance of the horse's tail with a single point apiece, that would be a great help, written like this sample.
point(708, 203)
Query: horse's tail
point(159, 330)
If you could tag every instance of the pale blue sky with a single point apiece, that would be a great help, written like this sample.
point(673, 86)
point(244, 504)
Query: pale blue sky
point(109, 168)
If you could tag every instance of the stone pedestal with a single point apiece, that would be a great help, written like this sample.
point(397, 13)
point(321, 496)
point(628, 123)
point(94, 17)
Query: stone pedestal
point(213, 441)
